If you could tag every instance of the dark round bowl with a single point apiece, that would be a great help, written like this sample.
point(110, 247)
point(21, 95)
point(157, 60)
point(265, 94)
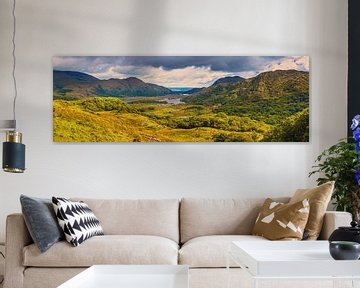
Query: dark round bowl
point(344, 250)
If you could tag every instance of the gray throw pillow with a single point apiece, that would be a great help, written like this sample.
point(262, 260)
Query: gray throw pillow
point(41, 221)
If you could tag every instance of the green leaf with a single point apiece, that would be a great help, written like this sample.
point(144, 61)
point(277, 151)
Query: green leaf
point(338, 163)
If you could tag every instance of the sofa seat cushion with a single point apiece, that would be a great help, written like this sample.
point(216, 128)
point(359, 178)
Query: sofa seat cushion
point(107, 249)
point(211, 251)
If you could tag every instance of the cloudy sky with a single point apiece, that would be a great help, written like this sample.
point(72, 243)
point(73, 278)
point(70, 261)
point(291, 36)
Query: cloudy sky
point(178, 71)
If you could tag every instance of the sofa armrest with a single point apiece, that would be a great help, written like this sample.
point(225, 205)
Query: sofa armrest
point(17, 237)
point(333, 220)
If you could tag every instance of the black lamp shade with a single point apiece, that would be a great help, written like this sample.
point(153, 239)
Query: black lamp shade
point(13, 157)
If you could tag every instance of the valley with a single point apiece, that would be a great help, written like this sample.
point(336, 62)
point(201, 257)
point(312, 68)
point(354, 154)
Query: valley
point(272, 107)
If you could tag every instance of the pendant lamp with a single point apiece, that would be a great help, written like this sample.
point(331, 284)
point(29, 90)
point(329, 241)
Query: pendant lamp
point(13, 159)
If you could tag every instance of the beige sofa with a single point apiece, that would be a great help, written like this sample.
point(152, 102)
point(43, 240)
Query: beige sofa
point(194, 232)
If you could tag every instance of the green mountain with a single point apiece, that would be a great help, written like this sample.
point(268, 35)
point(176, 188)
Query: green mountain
point(277, 83)
point(271, 84)
point(269, 97)
point(62, 79)
point(76, 85)
point(229, 79)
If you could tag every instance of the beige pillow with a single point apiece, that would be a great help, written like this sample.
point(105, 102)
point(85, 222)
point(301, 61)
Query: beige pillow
point(279, 221)
point(319, 198)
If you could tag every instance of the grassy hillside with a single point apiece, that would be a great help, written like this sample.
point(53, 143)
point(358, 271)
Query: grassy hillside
point(112, 120)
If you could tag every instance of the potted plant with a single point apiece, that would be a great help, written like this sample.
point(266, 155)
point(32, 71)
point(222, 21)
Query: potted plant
point(341, 163)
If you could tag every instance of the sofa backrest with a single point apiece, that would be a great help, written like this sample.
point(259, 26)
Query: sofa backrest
point(158, 217)
point(200, 217)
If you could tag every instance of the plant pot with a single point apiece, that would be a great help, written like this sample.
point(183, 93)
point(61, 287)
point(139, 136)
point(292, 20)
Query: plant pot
point(343, 250)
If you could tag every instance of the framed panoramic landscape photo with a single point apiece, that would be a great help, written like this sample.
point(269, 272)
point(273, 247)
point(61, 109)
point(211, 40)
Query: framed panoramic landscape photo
point(181, 99)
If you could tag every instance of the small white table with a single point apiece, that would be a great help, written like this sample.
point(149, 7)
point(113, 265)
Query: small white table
point(131, 276)
point(292, 260)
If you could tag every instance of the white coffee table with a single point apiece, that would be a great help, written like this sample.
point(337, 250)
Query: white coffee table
point(285, 260)
point(131, 276)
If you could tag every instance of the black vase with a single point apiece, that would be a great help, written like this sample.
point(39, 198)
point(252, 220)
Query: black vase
point(343, 250)
point(350, 234)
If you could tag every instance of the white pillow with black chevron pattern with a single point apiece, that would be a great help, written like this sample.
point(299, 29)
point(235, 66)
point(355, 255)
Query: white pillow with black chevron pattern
point(77, 220)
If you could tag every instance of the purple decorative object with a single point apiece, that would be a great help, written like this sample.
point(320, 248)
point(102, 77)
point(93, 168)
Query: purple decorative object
point(356, 134)
point(357, 176)
point(355, 122)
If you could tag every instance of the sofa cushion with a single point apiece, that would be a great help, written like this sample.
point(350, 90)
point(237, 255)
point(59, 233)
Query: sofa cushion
point(107, 249)
point(211, 251)
point(319, 198)
point(279, 221)
point(35, 277)
point(41, 221)
point(200, 217)
point(76, 220)
point(158, 217)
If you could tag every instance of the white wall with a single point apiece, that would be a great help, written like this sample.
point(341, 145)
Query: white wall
point(167, 27)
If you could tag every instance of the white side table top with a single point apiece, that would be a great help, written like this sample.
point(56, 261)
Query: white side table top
point(281, 259)
point(131, 276)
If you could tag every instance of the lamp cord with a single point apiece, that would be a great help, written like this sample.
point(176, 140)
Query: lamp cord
point(14, 61)
point(2, 280)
